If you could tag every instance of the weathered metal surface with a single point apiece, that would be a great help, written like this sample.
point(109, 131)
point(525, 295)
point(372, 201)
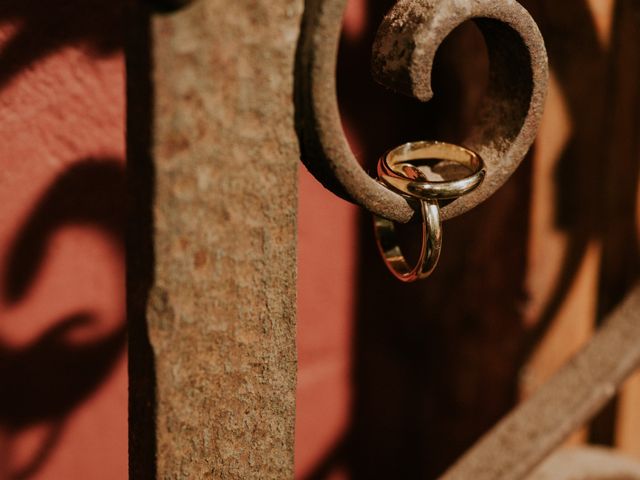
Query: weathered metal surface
point(587, 463)
point(525, 437)
point(403, 58)
point(221, 307)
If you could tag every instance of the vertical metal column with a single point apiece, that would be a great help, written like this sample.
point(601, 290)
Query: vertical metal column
point(212, 305)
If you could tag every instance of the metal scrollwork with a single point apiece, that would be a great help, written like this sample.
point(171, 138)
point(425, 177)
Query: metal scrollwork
point(403, 55)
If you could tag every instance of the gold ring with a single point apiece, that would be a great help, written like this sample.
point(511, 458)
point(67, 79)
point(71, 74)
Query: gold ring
point(397, 169)
point(387, 241)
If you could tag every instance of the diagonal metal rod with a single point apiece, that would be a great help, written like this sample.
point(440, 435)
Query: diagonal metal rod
point(573, 396)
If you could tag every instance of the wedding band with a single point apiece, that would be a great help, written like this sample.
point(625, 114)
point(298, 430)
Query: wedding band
point(400, 169)
point(387, 241)
point(397, 169)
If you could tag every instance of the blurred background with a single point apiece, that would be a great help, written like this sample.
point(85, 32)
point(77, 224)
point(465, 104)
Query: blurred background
point(394, 381)
point(397, 381)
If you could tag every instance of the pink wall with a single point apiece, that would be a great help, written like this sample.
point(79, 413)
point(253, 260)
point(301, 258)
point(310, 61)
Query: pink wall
point(326, 270)
point(327, 255)
point(63, 407)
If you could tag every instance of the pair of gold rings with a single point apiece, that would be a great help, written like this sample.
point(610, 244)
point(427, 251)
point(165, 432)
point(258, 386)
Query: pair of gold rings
point(400, 170)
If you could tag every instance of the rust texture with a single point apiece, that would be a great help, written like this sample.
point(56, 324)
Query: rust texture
point(403, 56)
point(523, 439)
point(220, 311)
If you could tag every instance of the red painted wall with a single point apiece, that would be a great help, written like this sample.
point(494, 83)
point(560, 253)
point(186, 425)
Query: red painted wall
point(326, 259)
point(63, 407)
point(327, 255)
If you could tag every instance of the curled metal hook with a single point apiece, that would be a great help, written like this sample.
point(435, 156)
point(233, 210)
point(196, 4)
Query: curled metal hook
point(403, 55)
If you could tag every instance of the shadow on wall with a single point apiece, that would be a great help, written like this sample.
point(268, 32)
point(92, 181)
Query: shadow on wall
point(45, 381)
point(436, 363)
point(43, 29)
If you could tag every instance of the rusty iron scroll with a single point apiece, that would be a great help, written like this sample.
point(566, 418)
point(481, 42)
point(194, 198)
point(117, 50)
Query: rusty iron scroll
point(403, 55)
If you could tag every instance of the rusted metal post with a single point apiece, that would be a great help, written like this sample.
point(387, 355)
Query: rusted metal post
point(218, 293)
